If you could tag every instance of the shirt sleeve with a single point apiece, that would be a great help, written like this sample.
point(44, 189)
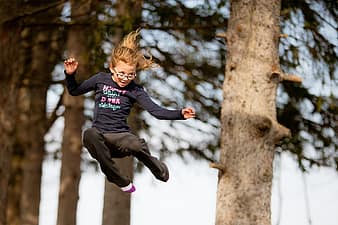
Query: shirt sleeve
point(74, 88)
point(154, 109)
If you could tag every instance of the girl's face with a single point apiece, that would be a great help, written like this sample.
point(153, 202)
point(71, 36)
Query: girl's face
point(123, 73)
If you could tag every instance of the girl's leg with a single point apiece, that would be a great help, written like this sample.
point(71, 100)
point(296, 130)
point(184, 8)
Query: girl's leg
point(95, 142)
point(130, 143)
point(158, 168)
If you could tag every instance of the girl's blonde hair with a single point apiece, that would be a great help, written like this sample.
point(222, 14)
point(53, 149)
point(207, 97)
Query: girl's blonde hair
point(128, 51)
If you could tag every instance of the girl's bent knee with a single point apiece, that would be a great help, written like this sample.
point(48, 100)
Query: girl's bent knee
point(130, 143)
point(90, 134)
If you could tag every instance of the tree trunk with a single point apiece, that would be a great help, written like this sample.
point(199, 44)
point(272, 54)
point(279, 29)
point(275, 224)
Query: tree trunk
point(15, 188)
point(248, 117)
point(34, 129)
point(11, 56)
point(78, 47)
point(24, 196)
point(116, 210)
point(34, 118)
point(71, 158)
point(41, 50)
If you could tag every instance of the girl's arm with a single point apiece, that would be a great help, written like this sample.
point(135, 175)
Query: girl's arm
point(161, 113)
point(74, 88)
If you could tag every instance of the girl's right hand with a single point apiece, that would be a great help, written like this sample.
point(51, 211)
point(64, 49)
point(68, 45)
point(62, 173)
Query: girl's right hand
point(70, 65)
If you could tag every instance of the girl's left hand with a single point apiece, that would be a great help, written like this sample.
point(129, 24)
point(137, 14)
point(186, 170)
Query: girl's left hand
point(188, 113)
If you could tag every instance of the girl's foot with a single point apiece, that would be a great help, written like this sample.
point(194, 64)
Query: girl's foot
point(164, 175)
point(159, 169)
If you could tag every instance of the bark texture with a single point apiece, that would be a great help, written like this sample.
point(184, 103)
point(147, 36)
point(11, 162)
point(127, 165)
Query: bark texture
point(24, 197)
point(249, 127)
point(78, 47)
point(39, 46)
point(11, 55)
point(32, 146)
point(116, 208)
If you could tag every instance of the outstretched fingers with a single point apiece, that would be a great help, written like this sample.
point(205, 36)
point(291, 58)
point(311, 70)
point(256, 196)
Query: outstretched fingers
point(71, 65)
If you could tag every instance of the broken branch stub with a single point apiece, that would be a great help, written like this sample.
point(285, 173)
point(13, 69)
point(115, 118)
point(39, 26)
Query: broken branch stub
point(278, 76)
point(218, 166)
point(222, 35)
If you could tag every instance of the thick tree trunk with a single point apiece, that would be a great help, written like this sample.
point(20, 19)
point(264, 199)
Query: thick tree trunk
point(71, 158)
point(41, 48)
point(33, 125)
point(11, 56)
point(78, 47)
point(249, 127)
point(34, 118)
point(24, 196)
point(116, 209)
point(15, 188)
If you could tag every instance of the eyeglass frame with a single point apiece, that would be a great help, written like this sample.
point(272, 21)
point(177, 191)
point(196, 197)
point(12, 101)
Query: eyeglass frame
point(122, 75)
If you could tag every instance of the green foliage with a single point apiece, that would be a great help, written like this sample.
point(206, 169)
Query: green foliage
point(310, 110)
point(182, 39)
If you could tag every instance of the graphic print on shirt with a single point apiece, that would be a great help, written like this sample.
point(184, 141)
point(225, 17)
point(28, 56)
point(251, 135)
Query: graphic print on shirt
point(110, 98)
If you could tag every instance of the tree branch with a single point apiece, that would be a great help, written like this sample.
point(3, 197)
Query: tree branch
point(218, 166)
point(33, 12)
point(222, 35)
point(269, 127)
point(53, 116)
point(279, 131)
point(279, 76)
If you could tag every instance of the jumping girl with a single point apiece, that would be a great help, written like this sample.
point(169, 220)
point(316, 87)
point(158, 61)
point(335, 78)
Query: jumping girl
point(115, 94)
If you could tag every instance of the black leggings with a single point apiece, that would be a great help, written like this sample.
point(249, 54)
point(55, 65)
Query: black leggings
point(105, 146)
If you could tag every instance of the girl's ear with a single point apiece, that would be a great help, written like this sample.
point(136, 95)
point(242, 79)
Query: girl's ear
point(111, 68)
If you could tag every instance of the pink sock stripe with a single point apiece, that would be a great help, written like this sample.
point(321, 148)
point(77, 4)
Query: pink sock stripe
point(127, 188)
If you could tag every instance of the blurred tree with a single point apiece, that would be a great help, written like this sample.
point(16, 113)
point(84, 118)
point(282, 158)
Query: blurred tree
point(12, 60)
point(42, 52)
point(82, 20)
point(310, 110)
point(181, 36)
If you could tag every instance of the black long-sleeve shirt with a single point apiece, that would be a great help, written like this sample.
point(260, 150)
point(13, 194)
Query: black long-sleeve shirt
point(113, 103)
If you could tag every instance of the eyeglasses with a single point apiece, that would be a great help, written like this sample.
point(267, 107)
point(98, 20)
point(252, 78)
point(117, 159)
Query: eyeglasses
point(122, 75)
